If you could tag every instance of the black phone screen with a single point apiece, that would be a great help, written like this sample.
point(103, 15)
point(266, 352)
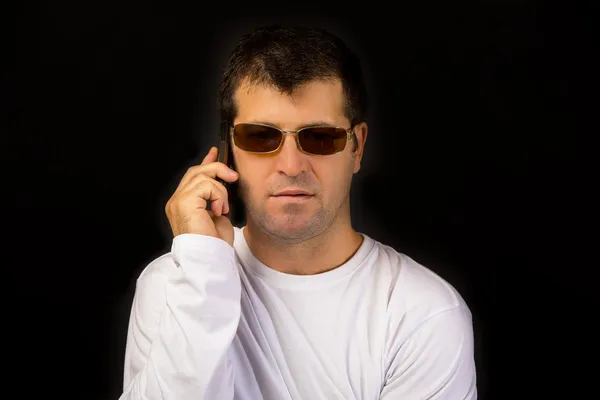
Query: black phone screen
point(225, 156)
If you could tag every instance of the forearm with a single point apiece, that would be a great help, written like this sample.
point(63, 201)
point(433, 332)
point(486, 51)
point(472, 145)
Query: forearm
point(188, 352)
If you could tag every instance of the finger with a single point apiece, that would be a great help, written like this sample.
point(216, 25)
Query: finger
point(211, 156)
point(212, 170)
point(200, 178)
point(197, 196)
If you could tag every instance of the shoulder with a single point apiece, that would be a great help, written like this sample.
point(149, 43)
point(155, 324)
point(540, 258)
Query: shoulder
point(414, 292)
point(411, 283)
point(428, 328)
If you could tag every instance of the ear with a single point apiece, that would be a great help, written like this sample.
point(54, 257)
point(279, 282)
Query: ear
point(360, 132)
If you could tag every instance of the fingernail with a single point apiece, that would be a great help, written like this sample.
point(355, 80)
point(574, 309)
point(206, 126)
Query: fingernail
point(232, 172)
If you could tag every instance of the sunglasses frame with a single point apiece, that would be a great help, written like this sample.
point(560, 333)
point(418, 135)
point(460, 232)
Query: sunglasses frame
point(349, 135)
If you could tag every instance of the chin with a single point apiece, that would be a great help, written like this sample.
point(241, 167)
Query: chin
point(295, 226)
point(290, 222)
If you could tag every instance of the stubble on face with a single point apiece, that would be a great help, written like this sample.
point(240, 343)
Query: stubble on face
point(324, 177)
point(294, 224)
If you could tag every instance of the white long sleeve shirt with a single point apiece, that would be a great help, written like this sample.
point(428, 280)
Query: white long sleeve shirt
point(210, 321)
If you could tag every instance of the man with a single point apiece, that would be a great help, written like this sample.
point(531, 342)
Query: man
point(295, 304)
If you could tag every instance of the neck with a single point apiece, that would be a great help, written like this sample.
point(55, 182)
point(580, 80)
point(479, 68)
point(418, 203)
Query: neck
point(318, 254)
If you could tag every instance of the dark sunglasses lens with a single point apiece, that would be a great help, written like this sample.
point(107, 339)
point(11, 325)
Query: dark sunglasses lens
point(322, 141)
point(256, 138)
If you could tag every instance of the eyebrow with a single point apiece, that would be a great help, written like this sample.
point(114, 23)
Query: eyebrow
point(307, 125)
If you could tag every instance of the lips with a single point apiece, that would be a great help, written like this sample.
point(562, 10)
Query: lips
point(292, 197)
point(292, 192)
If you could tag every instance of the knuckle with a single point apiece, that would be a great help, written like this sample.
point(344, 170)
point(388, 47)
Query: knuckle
point(202, 184)
point(199, 178)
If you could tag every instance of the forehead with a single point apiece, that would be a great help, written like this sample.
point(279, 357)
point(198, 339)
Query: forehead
point(316, 101)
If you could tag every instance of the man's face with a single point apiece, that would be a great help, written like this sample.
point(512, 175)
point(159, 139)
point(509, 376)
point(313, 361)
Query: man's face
point(326, 178)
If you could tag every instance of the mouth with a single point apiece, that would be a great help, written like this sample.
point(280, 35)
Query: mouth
point(292, 196)
point(292, 193)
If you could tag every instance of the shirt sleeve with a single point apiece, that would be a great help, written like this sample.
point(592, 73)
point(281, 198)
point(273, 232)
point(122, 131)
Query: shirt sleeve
point(184, 316)
point(436, 362)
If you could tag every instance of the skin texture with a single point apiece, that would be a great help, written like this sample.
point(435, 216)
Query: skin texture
point(314, 235)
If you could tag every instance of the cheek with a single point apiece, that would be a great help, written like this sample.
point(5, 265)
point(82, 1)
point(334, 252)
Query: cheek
point(252, 177)
point(335, 181)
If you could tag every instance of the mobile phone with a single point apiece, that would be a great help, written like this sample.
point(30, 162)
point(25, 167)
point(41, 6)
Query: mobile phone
point(225, 156)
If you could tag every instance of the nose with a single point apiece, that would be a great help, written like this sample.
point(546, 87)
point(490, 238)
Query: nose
point(290, 160)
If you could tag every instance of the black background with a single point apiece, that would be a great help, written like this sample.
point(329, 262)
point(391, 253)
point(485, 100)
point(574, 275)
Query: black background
point(472, 167)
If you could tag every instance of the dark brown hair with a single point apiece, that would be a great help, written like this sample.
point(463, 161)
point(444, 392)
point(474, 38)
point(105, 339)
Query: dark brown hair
point(287, 56)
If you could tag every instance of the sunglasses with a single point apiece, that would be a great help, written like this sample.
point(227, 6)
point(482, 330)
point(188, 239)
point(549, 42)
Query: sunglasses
point(314, 140)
